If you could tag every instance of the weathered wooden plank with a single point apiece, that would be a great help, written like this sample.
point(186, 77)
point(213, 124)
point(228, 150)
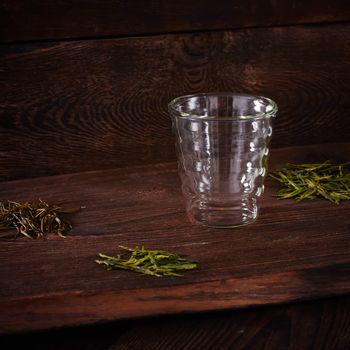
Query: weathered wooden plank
point(315, 324)
point(89, 105)
point(148, 197)
point(41, 20)
point(294, 251)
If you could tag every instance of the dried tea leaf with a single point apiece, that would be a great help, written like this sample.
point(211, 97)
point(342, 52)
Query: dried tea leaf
point(309, 181)
point(156, 263)
point(35, 219)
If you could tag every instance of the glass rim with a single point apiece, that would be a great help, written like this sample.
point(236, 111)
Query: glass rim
point(260, 115)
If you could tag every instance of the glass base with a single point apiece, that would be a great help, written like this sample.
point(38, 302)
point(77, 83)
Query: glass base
point(233, 215)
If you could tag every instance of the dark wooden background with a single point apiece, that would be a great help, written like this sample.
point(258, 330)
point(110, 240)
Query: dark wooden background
point(84, 85)
point(92, 103)
point(33, 20)
point(313, 325)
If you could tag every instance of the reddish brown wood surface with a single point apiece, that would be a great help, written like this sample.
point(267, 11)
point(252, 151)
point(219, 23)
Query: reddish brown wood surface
point(89, 105)
point(313, 325)
point(51, 19)
point(294, 251)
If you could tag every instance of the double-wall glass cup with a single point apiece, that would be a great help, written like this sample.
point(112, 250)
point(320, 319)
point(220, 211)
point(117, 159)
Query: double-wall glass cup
point(222, 143)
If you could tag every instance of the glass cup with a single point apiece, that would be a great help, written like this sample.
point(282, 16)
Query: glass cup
point(222, 146)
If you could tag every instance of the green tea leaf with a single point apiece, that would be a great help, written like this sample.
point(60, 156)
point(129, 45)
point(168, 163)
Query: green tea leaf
point(309, 181)
point(150, 262)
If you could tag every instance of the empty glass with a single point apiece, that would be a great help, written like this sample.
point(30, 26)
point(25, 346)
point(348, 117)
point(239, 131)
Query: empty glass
point(222, 147)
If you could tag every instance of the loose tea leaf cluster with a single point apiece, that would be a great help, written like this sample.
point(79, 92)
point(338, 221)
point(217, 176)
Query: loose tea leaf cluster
point(308, 181)
point(150, 262)
point(34, 219)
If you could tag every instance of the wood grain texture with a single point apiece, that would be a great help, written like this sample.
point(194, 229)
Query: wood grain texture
point(89, 105)
point(313, 325)
point(294, 251)
point(41, 20)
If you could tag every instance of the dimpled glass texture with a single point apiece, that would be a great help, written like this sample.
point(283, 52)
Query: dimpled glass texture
point(222, 143)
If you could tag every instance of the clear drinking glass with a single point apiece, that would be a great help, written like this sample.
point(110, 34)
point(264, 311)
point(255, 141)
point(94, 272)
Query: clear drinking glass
point(222, 146)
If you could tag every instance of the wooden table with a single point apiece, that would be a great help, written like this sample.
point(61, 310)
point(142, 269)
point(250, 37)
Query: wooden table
point(294, 252)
